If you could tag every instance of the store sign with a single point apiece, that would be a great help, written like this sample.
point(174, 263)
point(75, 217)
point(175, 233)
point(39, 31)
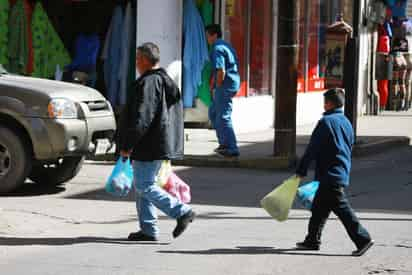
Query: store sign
point(335, 60)
point(337, 36)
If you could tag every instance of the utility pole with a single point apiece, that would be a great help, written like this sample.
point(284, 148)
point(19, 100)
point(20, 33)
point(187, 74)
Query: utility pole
point(286, 81)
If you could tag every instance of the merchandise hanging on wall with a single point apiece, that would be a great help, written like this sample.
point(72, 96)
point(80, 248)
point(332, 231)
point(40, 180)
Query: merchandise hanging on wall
point(18, 39)
point(203, 92)
point(125, 61)
point(399, 8)
point(49, 50)
point(86, 50)
point(116, 54)
point(4, 19)
point(195, 53)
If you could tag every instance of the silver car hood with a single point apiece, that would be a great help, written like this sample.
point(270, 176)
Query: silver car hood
point(51, 88)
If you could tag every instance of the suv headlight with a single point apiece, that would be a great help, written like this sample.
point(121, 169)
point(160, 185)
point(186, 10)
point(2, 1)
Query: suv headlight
point(62, 108)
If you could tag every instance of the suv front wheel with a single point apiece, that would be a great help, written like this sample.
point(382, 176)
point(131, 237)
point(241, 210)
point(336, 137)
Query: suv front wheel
point(15, 160)
point(60, 172)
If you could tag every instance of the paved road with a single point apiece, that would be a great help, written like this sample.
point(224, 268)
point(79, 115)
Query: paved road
point(78, 229)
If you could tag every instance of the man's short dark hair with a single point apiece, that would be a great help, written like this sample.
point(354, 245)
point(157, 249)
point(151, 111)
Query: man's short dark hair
point(214, 29)
point(336, 96)
point(151, 51)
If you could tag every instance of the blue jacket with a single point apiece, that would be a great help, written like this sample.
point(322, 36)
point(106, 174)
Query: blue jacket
point(331, 148)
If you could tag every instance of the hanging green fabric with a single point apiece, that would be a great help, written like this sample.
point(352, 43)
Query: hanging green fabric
point(18, 49)
point(206, 10)
point(49, 50)
point(4, 32)
point(203, 92)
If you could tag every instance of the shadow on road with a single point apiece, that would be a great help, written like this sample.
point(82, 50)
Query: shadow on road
point(241, 250)
point(30, 189)
point(69, 241)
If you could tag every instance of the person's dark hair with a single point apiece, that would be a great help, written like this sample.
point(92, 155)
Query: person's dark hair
point(150, 51)
point(336, 96)
point(214, 29)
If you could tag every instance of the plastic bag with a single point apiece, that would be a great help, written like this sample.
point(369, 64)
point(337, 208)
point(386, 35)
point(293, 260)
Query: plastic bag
point(121, 180)
point(164, 173)
point(306, 194)
point(278, 202)
point(176, 187)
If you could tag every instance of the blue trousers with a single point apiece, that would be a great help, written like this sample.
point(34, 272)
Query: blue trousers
point(220, 115)
point(150, 196)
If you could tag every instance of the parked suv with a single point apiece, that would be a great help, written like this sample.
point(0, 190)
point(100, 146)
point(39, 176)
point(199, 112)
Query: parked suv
point(47, 128)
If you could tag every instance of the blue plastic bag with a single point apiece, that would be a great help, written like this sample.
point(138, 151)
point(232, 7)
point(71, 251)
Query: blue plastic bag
point(121, 180)
point(306, 194)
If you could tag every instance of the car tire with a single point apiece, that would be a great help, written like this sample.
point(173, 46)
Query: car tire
point(66, 169)
point(15, 160)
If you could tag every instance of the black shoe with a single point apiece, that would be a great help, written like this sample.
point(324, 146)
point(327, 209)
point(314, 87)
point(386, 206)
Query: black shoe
point(307, 246)
point(362, 250)
point(183, 223)
point(219, 149)
point(226, 154)
point(141, 237)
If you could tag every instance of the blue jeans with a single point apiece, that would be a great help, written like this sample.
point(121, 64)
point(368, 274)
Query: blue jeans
point(150, 196)
point(220, 115)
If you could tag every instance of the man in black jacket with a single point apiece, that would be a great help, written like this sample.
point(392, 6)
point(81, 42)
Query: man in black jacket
point(151, 130)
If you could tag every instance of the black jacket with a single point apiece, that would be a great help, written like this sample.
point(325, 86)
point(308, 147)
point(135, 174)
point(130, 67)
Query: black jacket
point(152, 123)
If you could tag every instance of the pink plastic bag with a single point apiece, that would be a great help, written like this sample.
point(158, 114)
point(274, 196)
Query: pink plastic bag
point(176, 187)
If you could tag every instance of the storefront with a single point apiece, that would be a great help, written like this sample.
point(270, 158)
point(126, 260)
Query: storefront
point(314, 18)
point(90, 42)
point(250, 26)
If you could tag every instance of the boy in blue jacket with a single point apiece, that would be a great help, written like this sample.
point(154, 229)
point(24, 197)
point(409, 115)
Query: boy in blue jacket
point(331, 148)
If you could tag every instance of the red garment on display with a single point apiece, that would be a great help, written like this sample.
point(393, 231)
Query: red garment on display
point(383, 89)
point(384, 44)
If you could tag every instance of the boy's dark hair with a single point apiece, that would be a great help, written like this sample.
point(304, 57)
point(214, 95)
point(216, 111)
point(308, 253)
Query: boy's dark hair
point(150, 51)
point(214, 29)
point(336, 96)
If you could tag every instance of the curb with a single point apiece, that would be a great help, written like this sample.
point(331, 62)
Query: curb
point(361, 149)
point(212, 161)
point(255, 163)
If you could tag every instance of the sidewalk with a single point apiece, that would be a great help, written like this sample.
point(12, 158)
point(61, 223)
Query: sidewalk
point(374, 135)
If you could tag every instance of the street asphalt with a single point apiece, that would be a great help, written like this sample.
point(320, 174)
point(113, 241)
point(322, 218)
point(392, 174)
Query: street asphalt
point(79, 229)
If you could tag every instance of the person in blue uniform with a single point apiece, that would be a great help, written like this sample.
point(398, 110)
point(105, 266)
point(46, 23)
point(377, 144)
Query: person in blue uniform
point(226, 84)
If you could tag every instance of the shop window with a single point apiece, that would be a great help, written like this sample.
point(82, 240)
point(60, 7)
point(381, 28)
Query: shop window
point(314, 18)
point(261, 48)
point(248, 27)
point(235, 26)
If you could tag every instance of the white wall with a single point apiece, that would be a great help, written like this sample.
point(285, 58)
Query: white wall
point(309, 108)
point(160, 21)
point(253, 113)
point(250, 114)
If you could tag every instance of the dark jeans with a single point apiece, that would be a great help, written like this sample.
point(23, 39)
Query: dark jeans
point(329, 199)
